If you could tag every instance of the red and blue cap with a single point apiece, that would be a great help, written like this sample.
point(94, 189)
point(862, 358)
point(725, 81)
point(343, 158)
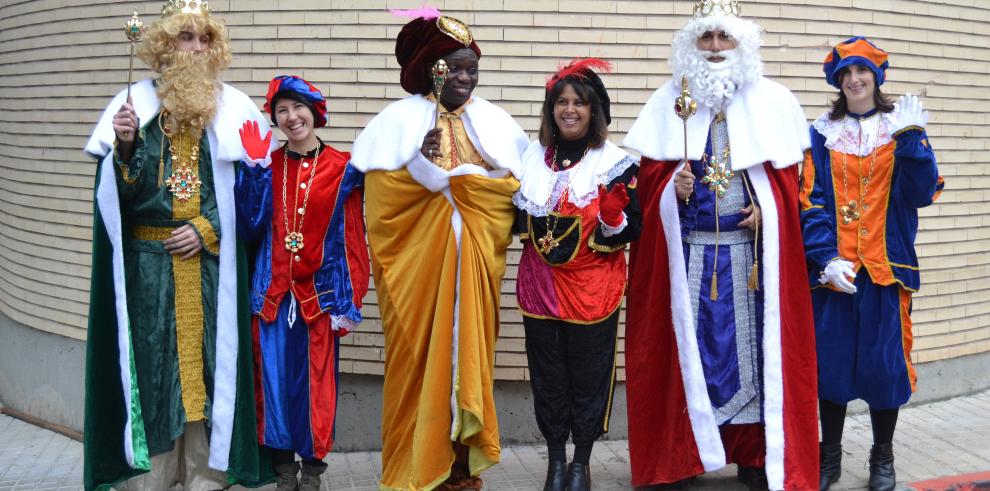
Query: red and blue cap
point(855, 51)
point(300, 90)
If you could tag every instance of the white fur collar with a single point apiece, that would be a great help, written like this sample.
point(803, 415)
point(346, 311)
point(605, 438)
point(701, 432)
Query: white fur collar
point(393, 138)
point(233, 108)
point(765, 123)
point(844, 135)
point(540, 188)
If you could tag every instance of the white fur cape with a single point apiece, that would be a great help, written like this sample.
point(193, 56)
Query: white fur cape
point(233, 108)
point(765, 123)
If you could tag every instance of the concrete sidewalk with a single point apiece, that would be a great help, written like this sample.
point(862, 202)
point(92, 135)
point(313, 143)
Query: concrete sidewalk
point(945, 438)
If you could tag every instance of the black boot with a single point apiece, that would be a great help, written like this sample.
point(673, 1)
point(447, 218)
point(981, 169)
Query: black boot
point(578, 477)
point(755, 478)
point(882, 476)
point(286, 477)
point(830, 464)
point(556, 476)
point(311, 472)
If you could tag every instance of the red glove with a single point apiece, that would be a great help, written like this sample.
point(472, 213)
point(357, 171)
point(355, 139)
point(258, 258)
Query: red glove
point(611, 203)
point(254, 146)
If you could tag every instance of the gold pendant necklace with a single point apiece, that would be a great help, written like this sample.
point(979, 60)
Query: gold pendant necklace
point(294, 237)
point(850, 211)
point(184, 147)
point(548, 242)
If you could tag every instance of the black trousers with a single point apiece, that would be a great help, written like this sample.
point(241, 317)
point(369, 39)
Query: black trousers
point(572, 372)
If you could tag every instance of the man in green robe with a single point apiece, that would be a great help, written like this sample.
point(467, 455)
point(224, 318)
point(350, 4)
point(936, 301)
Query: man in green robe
point(170, 396)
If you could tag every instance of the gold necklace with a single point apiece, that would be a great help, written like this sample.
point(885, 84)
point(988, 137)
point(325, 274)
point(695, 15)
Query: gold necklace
point(850, 211)
point(183, 183)
point(294, 237)
point(548, 242)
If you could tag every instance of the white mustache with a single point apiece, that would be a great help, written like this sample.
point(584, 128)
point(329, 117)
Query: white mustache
point(731, 57)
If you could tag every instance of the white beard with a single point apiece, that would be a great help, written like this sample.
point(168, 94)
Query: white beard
point(713, 84)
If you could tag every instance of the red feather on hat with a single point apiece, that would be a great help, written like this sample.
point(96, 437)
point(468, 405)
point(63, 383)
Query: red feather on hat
point(576, 68)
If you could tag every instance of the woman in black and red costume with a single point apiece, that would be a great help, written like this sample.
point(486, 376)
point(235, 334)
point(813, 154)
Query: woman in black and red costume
point(578, 210)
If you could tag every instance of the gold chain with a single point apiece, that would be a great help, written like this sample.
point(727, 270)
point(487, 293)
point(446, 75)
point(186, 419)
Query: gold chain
point(548, 243)
point(850, 211)
point(294, 237)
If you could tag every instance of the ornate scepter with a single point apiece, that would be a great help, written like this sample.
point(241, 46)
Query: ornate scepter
point(685, 107)
point(439, 78)
point(134, 30)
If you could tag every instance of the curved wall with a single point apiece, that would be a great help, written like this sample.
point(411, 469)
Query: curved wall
point(61, 60)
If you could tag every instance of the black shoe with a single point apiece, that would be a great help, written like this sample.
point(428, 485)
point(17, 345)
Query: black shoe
point(830, 464)
point(286, 478)
point(578, 477)
point(556, 476)
point(882, 477)
point(755, 478)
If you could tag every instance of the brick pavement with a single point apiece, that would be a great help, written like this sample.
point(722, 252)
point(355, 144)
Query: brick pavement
point(945, 438)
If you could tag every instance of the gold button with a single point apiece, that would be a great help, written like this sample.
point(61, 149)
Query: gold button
point(297, 260)
point(303, 185)
point(863, 232)
point(302, 211)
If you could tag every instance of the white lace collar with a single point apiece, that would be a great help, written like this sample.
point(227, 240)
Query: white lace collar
point(844, 135)
point(540, 188)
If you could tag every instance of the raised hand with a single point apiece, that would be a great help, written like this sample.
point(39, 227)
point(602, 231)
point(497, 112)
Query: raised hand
point(125, 122)
point(431, 144)
point(908, 112)
point(255, 147)
point(611, 203)
point(684, 182)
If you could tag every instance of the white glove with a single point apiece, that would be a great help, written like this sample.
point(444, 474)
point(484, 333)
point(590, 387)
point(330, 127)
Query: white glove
point(837, 273)
point(908, 112)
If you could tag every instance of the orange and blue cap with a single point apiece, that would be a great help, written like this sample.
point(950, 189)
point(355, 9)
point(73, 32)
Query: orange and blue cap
point(855, 51)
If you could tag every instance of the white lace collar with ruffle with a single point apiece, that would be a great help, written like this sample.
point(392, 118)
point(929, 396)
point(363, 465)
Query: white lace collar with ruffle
point(854, 136)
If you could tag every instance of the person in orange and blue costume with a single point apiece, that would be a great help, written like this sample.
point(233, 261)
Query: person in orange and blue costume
point(870, 168)
point(301, 204)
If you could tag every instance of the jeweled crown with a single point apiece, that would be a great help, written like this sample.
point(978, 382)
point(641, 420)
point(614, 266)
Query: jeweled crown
point(173, 7)
point(707, 8)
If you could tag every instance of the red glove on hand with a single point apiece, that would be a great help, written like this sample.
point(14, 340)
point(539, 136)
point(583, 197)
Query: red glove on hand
point(254, 146)
point(611, 203)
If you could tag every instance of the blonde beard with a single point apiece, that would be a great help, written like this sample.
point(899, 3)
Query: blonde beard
point(188, 89)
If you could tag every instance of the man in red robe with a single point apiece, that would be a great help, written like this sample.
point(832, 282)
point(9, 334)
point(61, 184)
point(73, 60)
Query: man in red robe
point(720, 353)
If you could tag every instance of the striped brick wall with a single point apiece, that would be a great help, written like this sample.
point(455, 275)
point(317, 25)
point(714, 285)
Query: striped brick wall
point(61, 60)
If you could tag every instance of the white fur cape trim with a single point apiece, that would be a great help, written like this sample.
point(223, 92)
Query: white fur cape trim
point(234, 107)
point(700, 412)
point(540, 187)
point(393, 138)
point(765, 123)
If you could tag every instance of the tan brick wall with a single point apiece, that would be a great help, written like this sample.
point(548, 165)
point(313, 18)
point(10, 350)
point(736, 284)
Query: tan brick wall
point(61, 60)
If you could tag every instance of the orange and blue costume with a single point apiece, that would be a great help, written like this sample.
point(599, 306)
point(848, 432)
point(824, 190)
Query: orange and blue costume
point(862, 184)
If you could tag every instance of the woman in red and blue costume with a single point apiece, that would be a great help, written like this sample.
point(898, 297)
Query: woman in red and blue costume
point(301, 204)
point(577, 211)
point(870, 168)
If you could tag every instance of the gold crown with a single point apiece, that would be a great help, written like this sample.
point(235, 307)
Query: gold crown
point(455, 29)
point(708, 8)
point(173, 7)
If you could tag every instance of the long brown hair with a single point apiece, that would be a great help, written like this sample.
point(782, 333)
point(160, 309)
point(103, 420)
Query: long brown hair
point(840, 107)
point(597, 130)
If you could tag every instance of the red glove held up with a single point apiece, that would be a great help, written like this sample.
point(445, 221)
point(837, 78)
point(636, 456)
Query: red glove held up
point(611, 203)
point(254, 146)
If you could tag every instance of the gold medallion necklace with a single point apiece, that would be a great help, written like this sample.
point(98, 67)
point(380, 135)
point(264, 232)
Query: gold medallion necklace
point(184, 148)
point(294, 237)
point(548, 242)
point(850, 211)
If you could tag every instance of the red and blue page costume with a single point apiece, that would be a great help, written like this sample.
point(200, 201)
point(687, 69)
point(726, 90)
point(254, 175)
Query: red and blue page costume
point(302, 301)
point(865, 338)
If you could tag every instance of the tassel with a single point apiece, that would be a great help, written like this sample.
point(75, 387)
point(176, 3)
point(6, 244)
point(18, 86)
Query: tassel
point(714, 293)
point(754, 276)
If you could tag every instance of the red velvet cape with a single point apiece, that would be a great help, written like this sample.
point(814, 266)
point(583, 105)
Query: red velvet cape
point(662, 441)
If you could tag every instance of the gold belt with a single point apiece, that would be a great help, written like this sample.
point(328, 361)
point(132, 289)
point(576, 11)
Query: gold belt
point(150, 232)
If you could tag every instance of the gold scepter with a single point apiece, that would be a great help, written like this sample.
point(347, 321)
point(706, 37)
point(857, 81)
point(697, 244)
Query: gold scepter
point(685, 107)
point(439, 78)
point(134, 30)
